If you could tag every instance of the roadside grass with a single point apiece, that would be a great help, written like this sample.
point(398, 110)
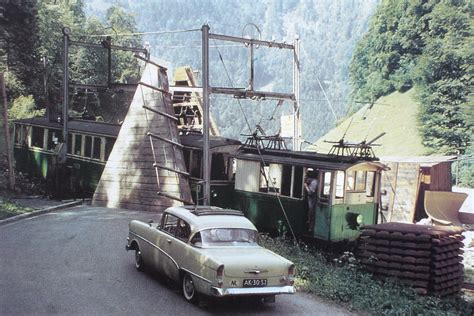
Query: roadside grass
point(344, 282)
point(9, 209)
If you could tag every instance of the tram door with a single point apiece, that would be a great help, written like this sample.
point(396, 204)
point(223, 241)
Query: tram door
point(323, 205)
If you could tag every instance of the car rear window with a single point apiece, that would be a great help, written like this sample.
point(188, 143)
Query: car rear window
point(225, 237)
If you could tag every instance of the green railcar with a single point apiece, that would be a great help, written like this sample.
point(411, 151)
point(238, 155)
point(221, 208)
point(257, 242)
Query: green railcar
point(90, 143)
point(266, 184)
point(269, 189)
point(222, 167)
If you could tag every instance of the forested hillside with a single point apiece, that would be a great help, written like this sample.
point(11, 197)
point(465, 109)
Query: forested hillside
point(328, 31)
point(428, 44)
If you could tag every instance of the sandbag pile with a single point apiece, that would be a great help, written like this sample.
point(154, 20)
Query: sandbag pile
point(428, 258)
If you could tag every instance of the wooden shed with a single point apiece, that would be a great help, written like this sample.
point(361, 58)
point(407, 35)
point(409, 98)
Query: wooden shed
point(403, 186)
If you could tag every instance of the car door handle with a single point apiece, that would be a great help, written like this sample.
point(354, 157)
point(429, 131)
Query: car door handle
point(169, 241)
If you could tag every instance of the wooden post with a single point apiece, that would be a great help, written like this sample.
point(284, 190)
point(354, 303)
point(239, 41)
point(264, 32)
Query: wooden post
point(11, 173)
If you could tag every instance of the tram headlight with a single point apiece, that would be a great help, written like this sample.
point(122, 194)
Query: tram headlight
point(354, 220)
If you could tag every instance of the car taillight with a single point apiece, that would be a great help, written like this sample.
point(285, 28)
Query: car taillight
point(220, 275)
point(291, 274)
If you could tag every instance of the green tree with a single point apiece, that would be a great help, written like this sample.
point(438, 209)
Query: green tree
point(24, 107)
point(87, 65)
point(427, 43)
point(18, 34)
point(445, 72)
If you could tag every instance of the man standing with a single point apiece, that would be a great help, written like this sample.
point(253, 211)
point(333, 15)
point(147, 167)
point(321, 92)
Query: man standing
point(311, 187)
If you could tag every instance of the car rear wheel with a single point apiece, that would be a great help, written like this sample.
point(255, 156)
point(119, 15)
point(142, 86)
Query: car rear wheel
point(139, 260)
point(189, 291)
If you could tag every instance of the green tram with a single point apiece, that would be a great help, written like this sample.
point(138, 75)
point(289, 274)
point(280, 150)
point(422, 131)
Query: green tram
point(269, 189)
point(222, 167)
point(266, 184)
point(90, 143)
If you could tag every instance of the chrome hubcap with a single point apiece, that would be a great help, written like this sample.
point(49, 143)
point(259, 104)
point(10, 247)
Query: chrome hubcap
point(137, 258)
point(188, 287)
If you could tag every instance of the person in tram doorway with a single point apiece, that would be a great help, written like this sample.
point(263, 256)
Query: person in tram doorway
point(311, 188)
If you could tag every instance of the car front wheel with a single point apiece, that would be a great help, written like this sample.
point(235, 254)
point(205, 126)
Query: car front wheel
point(139, 260)
point(189, 291)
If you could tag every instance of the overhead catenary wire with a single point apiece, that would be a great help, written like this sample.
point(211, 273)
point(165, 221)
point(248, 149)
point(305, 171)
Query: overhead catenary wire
point(147, 33)
point(232, 85)
point(324, 91)
point(259, 150)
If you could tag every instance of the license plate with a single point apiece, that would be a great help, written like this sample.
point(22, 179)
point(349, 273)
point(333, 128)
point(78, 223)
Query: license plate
point(255, 282)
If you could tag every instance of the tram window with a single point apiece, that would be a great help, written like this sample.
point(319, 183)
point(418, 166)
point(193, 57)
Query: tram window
point(37, 138)
point(18, 134)
point(77, 144)
point(247, 179)
point(350, 186)
point(370, 183)
point(96, 148)
point(356, 181)
point(21, 135)
point(69, 143)
point(291, 181)
point(339, 184)
point(264, 178)
point(286, 180)
point(298, 182)
point(360, 180)
point(109, 144)
point(88, 146)
point(218, 167)
point(326, 190)
point(275, 174)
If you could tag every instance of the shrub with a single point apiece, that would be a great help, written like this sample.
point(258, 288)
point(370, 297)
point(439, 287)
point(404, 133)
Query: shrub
point(343, 280)
point(24, 107)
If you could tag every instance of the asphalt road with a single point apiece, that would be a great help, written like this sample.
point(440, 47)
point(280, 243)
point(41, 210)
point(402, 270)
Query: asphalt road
point(74, 262)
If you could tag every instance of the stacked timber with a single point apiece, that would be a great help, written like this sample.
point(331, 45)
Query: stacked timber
point(428, 258)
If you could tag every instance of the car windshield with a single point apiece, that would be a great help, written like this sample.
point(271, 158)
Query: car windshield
point(225, 237)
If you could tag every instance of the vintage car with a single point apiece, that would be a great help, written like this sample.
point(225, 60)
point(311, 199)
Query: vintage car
point(212, 252)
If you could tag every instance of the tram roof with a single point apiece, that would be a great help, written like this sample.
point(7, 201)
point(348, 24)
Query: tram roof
point(197, 141)
point(306, 159)
point(83, 126)
point(112, 130)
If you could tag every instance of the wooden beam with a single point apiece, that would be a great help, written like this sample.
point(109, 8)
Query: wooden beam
point(154, 88)
point(171, 117)
point(166, 140)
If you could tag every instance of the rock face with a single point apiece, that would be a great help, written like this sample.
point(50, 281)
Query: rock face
point(139, 172)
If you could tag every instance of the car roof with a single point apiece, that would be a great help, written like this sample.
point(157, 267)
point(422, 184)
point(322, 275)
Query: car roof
point(206, 217)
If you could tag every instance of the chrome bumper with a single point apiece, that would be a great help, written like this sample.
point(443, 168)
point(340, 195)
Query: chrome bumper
point(272, 290)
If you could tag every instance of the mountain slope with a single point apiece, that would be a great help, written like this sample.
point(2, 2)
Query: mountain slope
point(329, 31)
point(395, 114)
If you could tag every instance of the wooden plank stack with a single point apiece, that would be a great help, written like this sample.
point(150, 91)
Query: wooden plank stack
point(426, 257)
